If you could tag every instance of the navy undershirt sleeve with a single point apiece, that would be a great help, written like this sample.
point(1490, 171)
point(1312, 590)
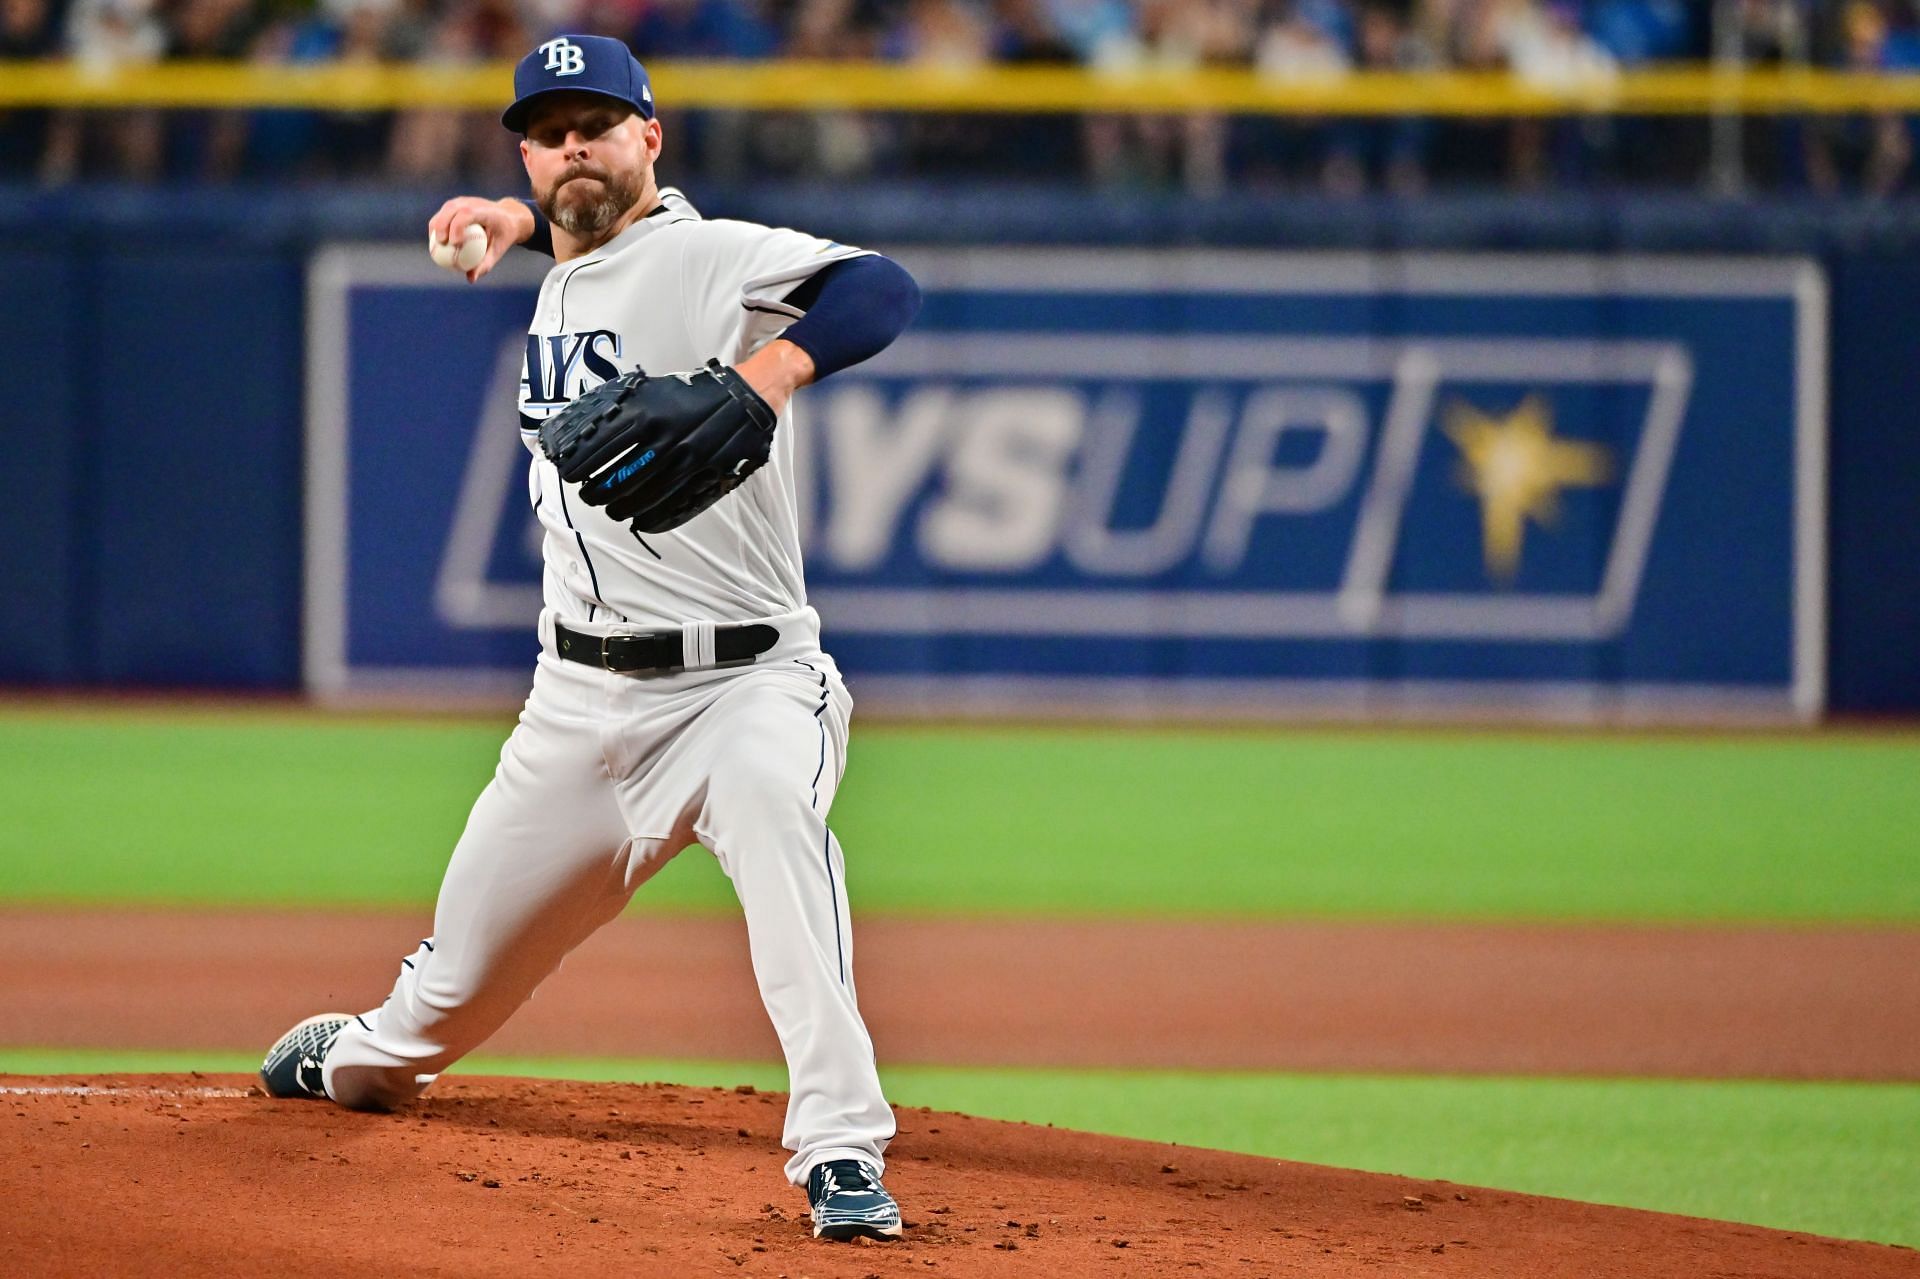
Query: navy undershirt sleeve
point(853, 310)
point(541, 241)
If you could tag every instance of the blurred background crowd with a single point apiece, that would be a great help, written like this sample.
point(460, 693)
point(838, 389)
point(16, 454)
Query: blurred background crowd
point(1540, 40)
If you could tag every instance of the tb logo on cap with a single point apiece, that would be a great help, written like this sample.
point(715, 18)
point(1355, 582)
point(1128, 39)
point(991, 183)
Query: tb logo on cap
point(564, 57)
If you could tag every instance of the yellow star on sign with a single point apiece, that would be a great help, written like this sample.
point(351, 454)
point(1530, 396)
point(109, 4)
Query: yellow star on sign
point(1516, 466)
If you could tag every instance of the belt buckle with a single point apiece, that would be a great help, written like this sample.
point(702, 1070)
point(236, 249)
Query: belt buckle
point(608, 661)
point(642, 645)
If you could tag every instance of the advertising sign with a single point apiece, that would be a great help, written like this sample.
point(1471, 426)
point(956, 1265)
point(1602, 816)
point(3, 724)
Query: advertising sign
point(1173, 482)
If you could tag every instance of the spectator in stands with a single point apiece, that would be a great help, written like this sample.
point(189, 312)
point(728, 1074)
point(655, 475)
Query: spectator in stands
point(1024, 34)
point(209, 144)
point(1297, 40)
point(701, 29)
point(109, 33)
point(1191, 149)
point(836, 28)
point(28, 30)
point(949, 33)
point(1547, 46)
point(1475, 32)
point(727, 144)
point(1303, 41)
point(1872, 152)
point(1767, 33)
point(1903, 38)
point(1390, 151)
point(1031, 146)
point(439, 145)
point(1096, 30)
point(1636, 32)
point(1549, 41)
point(825, 143)
point(106, 33)
point(1467, 35)
point(954, 35)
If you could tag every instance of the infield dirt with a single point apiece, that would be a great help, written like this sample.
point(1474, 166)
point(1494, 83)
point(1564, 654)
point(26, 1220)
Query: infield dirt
point(1667, 1001)
point(184, 1176)
point(153, 1175)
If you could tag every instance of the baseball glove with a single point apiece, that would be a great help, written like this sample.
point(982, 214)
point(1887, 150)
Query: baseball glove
point(657, 451)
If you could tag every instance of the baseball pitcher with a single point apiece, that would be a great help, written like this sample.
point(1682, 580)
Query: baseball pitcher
point(681, 693)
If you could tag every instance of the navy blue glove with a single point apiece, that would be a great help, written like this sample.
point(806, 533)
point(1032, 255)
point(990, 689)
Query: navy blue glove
point(657, 451)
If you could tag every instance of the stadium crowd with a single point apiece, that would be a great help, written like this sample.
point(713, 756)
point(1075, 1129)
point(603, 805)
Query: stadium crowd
point(1544, 40)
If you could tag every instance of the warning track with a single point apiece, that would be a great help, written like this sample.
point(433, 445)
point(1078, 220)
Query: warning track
point(1673, 1002)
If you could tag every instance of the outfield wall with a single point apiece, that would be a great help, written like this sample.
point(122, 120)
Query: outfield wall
point(1192, 476)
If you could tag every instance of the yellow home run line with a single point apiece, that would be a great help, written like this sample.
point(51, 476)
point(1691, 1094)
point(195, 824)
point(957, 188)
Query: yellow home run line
point(807, 85)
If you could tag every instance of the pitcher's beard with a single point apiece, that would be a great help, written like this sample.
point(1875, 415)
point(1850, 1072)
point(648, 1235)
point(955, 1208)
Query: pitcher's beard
point(618, 193)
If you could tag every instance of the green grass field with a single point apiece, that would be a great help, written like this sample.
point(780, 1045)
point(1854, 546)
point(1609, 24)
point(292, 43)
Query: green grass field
point(202, 807)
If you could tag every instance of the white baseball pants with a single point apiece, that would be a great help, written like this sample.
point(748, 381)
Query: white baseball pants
point(604, 780)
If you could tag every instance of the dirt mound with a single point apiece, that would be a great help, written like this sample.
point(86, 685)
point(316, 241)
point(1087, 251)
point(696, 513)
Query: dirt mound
point(151, 1175)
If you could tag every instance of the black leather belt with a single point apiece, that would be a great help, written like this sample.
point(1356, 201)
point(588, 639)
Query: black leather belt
point(635, 652)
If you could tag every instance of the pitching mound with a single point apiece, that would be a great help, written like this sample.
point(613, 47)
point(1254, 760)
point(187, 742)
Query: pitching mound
point(170, 1175)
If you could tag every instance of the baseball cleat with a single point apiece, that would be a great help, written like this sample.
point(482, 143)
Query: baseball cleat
point(849, 1202)
point(292, 1067)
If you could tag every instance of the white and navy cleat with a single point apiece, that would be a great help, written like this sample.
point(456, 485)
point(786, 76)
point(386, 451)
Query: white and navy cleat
point(293, 1064)
point(850, 1203)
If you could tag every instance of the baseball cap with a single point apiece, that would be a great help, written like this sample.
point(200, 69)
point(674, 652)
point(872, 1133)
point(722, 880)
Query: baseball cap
point(584, 64)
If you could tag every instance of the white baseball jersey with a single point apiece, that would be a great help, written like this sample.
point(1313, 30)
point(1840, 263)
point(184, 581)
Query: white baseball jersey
point(608, 776)
point(664, 296)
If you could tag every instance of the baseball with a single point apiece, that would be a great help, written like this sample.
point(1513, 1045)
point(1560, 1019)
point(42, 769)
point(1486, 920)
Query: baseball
point(472, 248)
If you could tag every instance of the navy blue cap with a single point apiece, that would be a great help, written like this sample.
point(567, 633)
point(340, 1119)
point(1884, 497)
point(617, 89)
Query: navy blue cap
point(585, 64)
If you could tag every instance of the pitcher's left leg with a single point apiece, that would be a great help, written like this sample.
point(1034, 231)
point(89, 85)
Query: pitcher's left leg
point(773, 743)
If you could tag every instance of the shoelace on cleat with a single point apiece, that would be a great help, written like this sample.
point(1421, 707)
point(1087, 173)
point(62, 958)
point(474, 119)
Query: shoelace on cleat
point(857, 1178)
point(310, 1045)
point(315, 1040)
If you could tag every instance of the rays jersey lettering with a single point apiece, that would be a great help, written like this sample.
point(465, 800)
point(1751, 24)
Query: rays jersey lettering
point(667, 294)
point(560, 367)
